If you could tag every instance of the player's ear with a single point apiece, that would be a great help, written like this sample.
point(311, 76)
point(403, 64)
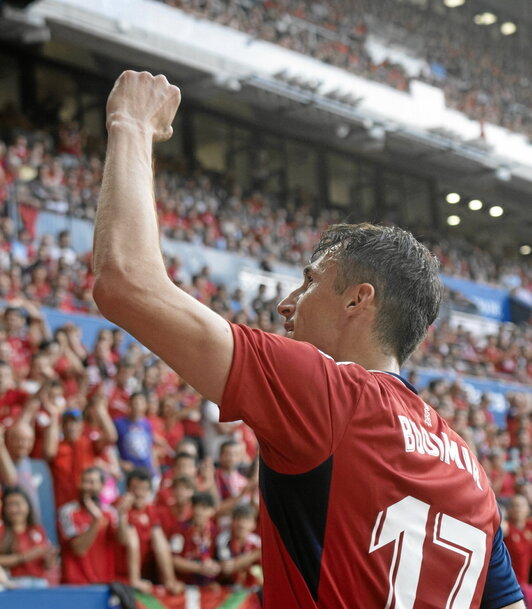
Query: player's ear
point(359, 297)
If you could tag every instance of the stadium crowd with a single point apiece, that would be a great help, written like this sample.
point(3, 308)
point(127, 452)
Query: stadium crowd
point(57, 172)
point(138, 460)
point(480, 78)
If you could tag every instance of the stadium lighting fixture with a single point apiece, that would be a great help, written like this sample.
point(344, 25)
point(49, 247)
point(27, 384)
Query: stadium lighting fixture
point(508, 28)
point(453, 220)
point(525, 250)
point(453, 198)
point(475, 204)
point(453, 3)
point(496, 211)
point(485, 19)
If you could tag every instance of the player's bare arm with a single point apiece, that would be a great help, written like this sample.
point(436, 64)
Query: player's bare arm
point(132, 288)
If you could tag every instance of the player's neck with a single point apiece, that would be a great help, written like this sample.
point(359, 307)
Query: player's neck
point(363, 350)
point(378, 362)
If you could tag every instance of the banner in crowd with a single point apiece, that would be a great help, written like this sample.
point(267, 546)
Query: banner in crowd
point(200, 598)
point(490, 301)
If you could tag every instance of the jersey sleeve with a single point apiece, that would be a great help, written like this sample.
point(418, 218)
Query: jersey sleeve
point(501, 587)
point(296, 399)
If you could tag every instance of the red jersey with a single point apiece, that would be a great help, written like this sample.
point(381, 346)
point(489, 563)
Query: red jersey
point(229, 484)
point(118, 403)
point(228, 547)
point(171, 515)
point(71, 460)
point(519, 544)
point(190, 542)
point(11, 404)
point(368, 497)
point(32, 537)
point(144, 520)
point(97, 565)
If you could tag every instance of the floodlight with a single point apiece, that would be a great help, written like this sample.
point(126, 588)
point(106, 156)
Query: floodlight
point(453, 220)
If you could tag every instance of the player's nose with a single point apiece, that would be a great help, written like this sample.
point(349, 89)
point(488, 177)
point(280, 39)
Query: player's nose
point(287, 306)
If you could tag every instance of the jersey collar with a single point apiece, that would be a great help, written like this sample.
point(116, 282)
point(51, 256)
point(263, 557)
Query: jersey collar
point(398, 376)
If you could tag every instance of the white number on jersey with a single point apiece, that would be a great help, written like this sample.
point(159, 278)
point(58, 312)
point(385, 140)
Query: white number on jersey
point(404, 523)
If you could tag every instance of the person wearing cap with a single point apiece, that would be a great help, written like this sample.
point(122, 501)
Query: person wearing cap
point(75, 452)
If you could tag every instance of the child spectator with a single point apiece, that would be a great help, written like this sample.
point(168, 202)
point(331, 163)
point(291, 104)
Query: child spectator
point(239, 551)
point(155, 556)
point(232, 486)
point(176, 505)
point(193, 544)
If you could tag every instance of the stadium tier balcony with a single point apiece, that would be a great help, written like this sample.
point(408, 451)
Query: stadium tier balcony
point(481, 79)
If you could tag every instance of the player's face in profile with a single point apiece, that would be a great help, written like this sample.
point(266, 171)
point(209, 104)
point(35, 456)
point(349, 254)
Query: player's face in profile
point(313, 312)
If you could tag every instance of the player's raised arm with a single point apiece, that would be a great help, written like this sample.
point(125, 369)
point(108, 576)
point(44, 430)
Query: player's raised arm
point(132, 288)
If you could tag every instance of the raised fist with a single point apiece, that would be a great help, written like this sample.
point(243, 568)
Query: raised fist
point(145, 102)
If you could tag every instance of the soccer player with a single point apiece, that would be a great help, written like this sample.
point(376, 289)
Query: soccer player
point(369, 498)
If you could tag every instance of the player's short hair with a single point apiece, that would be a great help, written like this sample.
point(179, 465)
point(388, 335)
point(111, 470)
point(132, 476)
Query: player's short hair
point(408, 289)
point(245, 510)
point(139, 473)
point(205, 499)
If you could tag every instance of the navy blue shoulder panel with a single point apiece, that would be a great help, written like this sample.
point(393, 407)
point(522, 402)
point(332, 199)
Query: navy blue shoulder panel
point(501, 587)
point(297, 505)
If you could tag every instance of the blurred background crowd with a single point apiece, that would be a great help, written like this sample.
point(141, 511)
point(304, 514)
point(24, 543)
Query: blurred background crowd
point(104, 435)
point(487, 78)
point(114, 406)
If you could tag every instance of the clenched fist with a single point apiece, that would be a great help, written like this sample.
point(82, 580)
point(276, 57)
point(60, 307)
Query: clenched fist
point(142, 101)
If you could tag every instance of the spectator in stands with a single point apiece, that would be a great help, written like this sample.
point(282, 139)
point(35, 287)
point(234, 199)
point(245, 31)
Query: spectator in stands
point(193, 544)
point(232, 486)
point(135, 436)
point(120, 389)
point(172, 431)
point(175, 505)
point(12, 399)
point(185, 464)
point(24, 547)
point(16, 445)
point(89, 532)
point(519, 541)
point(238, 550)
point(66, 254)
point(76, 452)
point(143, 516)
point(502, 481)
